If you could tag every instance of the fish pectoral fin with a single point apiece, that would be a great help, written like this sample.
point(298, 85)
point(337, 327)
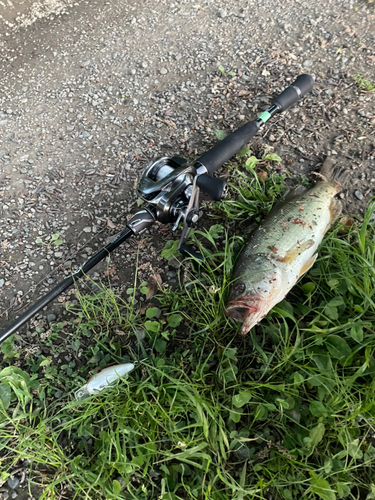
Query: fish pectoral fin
point(335, 208)
point(308, 265)
point(296, 250)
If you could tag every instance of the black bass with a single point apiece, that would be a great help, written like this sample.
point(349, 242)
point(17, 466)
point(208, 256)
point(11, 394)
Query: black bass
point(283, 248)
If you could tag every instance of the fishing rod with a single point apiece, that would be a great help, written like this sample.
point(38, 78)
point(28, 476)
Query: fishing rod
point(170, 187)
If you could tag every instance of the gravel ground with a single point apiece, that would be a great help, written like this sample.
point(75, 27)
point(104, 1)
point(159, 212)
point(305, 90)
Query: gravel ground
point(91, 91)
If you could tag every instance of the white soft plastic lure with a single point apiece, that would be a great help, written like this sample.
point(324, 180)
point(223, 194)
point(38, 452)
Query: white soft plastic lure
point(103, 379)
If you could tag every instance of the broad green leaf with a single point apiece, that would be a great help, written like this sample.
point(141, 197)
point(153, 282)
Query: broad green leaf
point(251, 163)
point(287, 494)
point(215, 231)
point(230, 353)
point(7, 347)
point(356, 333)
point(5, 395)
point(46, 362)
point(321, 487)
point(308, 288)
point(298, 379)
point(116, 486)
point(139, 460)
point(354, 450)
point(370, 450)
point(174, 320)
point(284, 405)
point(235, 415)
point(4, 476)
point(327, 465)
point(272, 157)
point(170, 249)
point(318, 409)
point(144, 290)
point(261, 412)
point(333, 283)
point(343, 489)
point(316, 434)
point(331, 312)
point(152, 326)
point(241, 399)
point(152, 312)
point(243, 151)
point(338, 347)
point(323, 362)
point(336, 301)
point(331, 308)
point(160, 345)
point(220, 134)
point(270, 406)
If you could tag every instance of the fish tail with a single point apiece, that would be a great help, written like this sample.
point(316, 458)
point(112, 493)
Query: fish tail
point(335, 174)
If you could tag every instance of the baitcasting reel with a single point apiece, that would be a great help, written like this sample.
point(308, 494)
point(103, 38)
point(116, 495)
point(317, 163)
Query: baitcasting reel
point(170, 187)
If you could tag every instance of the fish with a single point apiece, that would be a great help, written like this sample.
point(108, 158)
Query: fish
point(284, 247)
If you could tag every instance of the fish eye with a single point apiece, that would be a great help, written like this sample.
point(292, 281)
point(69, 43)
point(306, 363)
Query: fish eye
point(241, 287)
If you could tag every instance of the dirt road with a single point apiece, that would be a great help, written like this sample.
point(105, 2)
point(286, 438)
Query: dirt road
point(91, 91)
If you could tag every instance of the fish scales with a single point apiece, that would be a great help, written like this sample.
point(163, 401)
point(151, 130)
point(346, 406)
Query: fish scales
point(287, 223)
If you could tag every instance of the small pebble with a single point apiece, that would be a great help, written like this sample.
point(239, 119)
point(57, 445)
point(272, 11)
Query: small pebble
point(358, 195)
point(163, 71)
point(308, 63)
point(51, 317)
point(13, 482)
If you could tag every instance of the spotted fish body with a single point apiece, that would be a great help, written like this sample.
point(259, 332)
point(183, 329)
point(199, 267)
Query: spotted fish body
point(282, 249)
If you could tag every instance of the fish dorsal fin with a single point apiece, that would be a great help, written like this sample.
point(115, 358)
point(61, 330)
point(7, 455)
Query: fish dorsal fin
point(308, 265)
point(296, 250)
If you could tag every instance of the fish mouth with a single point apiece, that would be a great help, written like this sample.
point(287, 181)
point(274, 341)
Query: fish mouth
point(244, 310)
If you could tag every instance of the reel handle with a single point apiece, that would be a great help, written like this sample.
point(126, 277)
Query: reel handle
point(214, 187)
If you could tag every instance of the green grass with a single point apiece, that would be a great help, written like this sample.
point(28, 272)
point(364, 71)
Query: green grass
point(363, 83)
point(286, 412)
